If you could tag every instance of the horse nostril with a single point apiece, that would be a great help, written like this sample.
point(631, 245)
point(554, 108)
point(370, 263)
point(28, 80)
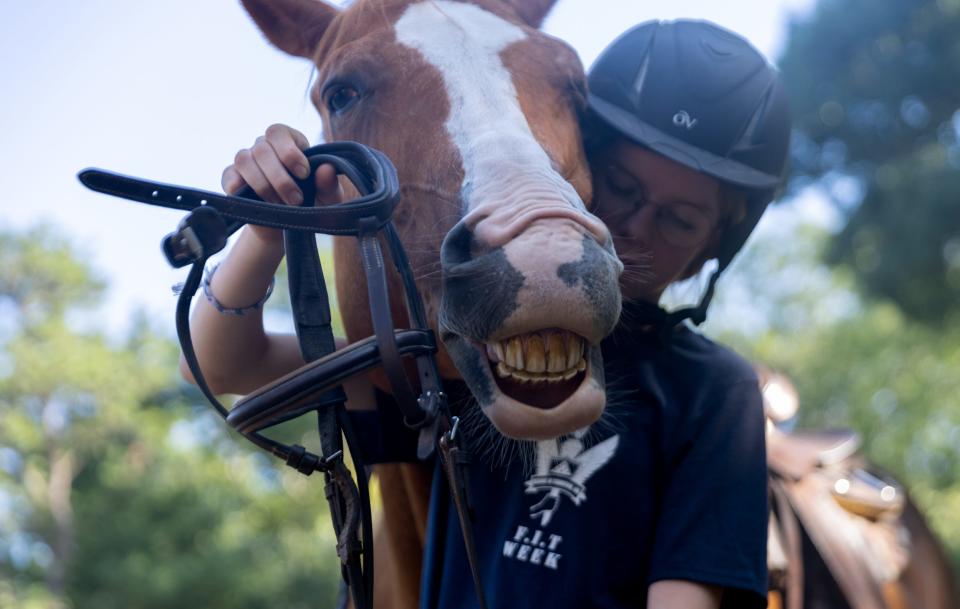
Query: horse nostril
point(456, 246)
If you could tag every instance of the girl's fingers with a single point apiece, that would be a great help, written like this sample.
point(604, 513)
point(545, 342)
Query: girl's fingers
point(328, 186)
point(269, 167)
point(276, 174)
point(230, 180)
point(250, 172)
point(288, 144)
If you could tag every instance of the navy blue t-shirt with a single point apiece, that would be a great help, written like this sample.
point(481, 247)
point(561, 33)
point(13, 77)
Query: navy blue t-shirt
point(670, 484)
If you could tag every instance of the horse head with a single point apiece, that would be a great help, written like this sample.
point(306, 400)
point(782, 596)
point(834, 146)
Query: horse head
point(479, 112)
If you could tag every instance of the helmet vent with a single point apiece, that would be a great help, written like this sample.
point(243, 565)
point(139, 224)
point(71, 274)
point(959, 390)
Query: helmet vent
point(747, 139)
point(641, 78)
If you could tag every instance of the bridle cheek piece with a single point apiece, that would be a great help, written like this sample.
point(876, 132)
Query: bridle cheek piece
point(317, 386)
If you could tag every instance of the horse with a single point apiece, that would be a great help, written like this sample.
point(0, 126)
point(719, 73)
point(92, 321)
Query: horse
point(843, 533)
point(480, 112)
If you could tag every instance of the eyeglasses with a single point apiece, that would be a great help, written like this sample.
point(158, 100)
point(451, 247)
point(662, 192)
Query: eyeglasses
point(680, 223)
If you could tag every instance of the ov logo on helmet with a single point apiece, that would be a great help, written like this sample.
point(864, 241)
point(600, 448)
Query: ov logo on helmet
point(683, 119)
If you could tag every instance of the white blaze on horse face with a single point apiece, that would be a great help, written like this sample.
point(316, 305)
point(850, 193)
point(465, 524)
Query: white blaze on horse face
point(500, 154)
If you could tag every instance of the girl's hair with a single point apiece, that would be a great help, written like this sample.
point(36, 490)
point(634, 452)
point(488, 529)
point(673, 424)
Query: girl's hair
point(597, 134)
point(733, 210)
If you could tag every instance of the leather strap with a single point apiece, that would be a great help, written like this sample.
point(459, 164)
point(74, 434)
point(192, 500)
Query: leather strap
point(359, 163)
point(793, 542)
point(291, 396)
point(432, 398)
point(187, 292)
point(379, 297)
point(313, 322)
point(455, 460)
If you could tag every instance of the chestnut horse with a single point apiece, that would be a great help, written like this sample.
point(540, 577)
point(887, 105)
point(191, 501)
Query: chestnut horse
point(479, 111)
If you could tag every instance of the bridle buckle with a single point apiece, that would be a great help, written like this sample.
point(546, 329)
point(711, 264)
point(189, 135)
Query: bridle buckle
point(201, 234)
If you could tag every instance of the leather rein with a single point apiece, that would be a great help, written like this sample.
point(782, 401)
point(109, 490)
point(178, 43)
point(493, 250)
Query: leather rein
point(316, 386)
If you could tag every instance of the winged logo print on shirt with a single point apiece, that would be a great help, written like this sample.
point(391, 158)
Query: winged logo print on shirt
point(563, 468)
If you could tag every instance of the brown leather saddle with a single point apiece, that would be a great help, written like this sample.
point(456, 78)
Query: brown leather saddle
point(826, 501)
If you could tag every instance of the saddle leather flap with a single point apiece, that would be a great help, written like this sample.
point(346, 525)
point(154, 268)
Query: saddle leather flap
point(796, 454)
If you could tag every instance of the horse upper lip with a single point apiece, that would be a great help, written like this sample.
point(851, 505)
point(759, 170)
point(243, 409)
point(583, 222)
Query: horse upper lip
point(494, 228)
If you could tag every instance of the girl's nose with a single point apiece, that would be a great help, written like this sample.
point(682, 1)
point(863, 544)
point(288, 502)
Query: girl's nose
point(642, 225)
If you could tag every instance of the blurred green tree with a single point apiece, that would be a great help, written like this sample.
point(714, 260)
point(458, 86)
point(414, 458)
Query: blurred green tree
point(856, 362)
point(116, 489)
point(878, 127)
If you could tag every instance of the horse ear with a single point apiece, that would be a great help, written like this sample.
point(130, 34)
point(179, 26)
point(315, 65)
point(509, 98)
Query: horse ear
point(293, 26)
point(531, 11)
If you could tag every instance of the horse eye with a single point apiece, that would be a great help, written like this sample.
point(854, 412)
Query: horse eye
point(342, 98)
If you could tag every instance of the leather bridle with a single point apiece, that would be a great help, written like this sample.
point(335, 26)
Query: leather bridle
point(316, 386)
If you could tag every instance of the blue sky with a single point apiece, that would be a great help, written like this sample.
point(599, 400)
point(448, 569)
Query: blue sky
point(171, 90)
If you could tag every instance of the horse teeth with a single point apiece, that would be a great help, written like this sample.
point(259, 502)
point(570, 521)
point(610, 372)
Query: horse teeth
point(508, 355)
point(513, 353)
point(522, 376)
point(534, 355)
point(574, 351)
point(539, 357)
point(556, 353)
point(518, 375)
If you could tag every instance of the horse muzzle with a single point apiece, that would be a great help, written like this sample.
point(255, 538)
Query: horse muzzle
point(523, 320)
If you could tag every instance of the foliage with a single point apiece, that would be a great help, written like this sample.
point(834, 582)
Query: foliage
point(877, 124)
point(856, 363)
point(116, 489)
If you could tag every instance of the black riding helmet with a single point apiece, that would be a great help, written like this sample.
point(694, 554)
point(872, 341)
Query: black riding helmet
point(703, 97)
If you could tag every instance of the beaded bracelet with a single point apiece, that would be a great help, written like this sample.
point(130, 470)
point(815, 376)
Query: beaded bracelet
point(232, 310)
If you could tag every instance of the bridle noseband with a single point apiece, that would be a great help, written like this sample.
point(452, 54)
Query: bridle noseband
point(316, 386)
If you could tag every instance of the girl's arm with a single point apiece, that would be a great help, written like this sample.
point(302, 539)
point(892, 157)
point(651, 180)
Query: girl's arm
point(680, 594)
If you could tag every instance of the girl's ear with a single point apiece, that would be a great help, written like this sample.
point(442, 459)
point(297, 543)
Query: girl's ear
point(293, 26)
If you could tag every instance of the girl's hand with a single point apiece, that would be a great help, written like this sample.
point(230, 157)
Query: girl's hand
point(267, 167)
